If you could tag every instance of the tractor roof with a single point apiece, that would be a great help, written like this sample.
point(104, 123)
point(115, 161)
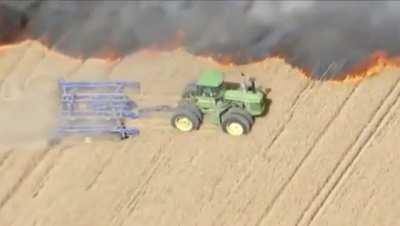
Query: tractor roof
point(210, 78)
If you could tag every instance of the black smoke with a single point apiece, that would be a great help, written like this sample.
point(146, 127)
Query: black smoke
point(323, 37)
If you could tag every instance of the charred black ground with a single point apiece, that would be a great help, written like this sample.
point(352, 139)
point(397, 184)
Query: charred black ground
point(324, 37)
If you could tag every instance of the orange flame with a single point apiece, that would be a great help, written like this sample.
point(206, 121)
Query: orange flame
point(374, 64)
point(108, 54)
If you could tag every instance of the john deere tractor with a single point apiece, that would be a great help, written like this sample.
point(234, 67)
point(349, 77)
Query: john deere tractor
point(232, 106)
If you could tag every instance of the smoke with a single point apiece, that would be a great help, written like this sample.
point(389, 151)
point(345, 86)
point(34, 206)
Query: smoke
point(323, 37)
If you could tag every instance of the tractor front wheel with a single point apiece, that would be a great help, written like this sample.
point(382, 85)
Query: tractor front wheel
point(235, 124)
point(236, 110)
point(185, 120)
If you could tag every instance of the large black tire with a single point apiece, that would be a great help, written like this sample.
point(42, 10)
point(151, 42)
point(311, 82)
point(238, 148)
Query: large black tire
point(236, 110)
point(185, 120)
point(235, 124)
point(192, 108)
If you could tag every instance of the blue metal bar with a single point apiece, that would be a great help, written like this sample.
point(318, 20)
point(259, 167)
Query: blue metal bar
point(90, 98)
point(98, 130)
point(113, 115)
point(101, 84)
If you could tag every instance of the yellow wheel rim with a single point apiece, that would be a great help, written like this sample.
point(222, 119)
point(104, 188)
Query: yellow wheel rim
point(234, 129)
point(183, 124)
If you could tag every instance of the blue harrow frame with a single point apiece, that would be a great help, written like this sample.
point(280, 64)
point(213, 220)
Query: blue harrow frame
point(97, 107)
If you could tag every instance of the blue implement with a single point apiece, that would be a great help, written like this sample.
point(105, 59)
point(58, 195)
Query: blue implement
point(103, 104)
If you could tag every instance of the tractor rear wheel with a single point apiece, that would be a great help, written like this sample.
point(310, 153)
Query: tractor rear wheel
point(192, 108)
point(185, 120)
point(235, 124)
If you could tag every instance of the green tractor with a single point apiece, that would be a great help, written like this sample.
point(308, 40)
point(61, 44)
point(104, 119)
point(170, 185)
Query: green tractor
point(232, 106)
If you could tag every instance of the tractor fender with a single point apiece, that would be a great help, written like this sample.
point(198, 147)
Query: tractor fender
point(220, 114)
point(222, 110)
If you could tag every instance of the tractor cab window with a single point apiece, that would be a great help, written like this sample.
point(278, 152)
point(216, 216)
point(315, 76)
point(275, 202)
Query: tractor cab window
point(210, 91)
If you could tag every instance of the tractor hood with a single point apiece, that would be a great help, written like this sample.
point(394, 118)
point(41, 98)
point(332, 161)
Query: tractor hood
point(243, 96)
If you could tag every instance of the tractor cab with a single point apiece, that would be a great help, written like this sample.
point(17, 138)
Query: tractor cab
point(209, 84)
point(209, 90)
